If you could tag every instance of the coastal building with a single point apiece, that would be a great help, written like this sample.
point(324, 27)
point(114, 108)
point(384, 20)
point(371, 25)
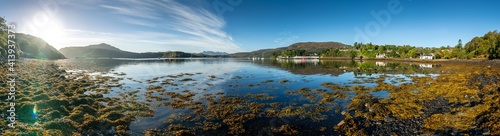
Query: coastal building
point(305, 57)
point(299, 57)
point(428, 56)
point(381, 56)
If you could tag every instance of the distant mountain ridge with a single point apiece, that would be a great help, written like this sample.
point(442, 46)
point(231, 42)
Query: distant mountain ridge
point(212, 53)
point(104, 50)
point(104, 46)
point(313, 47)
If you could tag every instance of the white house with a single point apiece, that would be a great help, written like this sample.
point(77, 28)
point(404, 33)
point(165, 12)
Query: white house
point(381, 56)
point(429, 56)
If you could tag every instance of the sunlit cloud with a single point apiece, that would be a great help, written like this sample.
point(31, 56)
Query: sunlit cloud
point(198, 28)
point(136, 41)
point(138, 26)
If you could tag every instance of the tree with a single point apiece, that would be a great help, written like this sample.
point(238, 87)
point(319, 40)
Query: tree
point(438, 55)
point(459, 43)
point(462, 54)
point(494, 51)
point(381, 49)
point(446, 54)
point(458, 51)
point(402, 52)
point(412, 53)
point(330, 53)
point(293, 53)
point(353, 54)
point(486, 46)
point(3, 40)
point(393, 54)
point(275, 54)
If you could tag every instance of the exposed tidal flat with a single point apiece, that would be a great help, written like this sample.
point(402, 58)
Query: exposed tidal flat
point(244, 97)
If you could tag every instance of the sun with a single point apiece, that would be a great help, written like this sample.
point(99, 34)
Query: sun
point(53, 33)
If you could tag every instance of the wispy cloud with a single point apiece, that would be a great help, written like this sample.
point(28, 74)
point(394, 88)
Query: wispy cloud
point(196, 26)
point(136, 41)
point(286, 38)
point(144, 13)
point(139, 22)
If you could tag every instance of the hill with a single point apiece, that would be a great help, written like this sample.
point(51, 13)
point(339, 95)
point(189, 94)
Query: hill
point(28, 46)
point(104, 50)
point(309, 47)
point(34, 47)
point(31, 47)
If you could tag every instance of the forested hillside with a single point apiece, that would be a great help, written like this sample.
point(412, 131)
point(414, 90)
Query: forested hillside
point(485, 46)
point(34, 47)
point(27, 46)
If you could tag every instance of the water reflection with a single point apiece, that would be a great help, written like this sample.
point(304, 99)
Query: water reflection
point(106, 65)
point(333, 67)
point(286, 97)
point(299, 61)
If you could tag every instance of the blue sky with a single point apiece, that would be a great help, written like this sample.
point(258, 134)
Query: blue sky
point(247, 25)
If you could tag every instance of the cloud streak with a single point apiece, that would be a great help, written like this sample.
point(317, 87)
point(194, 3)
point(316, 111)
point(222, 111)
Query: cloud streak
point(197, 27)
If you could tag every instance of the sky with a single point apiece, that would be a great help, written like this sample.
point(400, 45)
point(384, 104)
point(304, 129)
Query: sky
point(247, 25)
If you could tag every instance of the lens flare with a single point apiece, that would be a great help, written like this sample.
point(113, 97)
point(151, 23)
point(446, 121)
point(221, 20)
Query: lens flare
point(34, 111)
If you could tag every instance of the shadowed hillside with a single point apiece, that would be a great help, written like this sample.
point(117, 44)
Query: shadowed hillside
point(27, 46)
point(104, 50)
point(34, 47)
point(310, 47)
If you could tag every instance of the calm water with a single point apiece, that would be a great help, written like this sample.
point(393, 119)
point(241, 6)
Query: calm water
point(243, 78)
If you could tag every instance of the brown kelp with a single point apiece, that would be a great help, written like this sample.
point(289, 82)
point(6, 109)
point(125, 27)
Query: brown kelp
point(51, 101)
point(464, 100)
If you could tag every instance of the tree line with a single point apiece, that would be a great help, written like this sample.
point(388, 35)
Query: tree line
point(487, 46)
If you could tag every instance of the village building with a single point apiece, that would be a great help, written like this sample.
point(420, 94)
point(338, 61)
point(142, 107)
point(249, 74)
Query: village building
point(381, 56)
point(428, 56)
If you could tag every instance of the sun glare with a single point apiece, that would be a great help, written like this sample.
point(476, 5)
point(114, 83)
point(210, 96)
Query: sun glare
point(52, 33)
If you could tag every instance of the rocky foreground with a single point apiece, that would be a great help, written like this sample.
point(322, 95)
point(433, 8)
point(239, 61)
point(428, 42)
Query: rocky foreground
point(51, 101)
point(463, 100)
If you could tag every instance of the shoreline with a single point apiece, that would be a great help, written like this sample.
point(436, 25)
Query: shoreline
point(324, 58)
point(407, 60)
